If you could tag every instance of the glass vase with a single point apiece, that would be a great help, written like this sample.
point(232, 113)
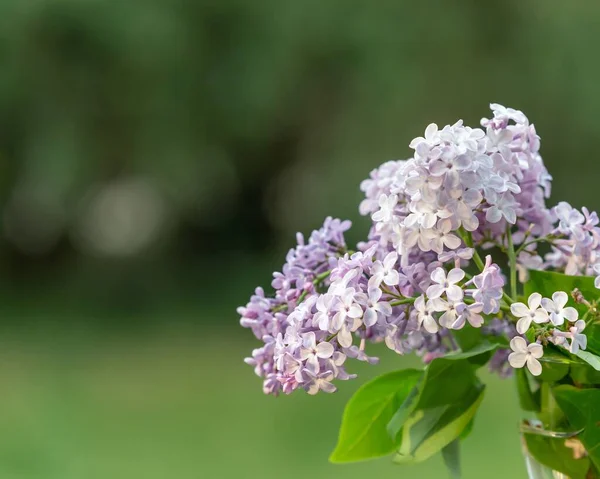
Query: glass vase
point(568, 441)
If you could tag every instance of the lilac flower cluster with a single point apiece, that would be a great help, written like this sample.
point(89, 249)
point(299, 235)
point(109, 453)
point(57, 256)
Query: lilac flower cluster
point(420, 275)
point(462, 178)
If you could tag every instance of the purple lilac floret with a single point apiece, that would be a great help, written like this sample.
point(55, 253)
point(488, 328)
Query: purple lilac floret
point(418, 275)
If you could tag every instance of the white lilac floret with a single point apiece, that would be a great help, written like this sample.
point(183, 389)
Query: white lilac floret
point(526, 354)
point(532, 311)
point(419, 274)
point(558, 310)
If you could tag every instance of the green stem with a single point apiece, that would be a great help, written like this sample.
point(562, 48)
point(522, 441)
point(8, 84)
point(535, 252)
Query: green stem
point(390, 292)
point(318, 280)
point(512, 261)
point(545, 239)
point(403, 301)
point(478, 261)
point(468, 239)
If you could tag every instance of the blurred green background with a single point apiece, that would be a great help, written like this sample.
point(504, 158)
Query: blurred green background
point(156, 158)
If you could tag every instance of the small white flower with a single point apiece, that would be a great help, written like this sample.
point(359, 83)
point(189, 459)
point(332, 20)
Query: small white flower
point(526, 354)
point(373, 307)
point(461, 254)
point(570, 220)
point(387, 204)
point(319, 382)
point(448, 318)
point(432, 137)
point(322, 317)
point(423, 183)
point(422, 213)
point(470, 313)
point(505, 207)
point(346, 307)
point(311, 351)
point(385, 272)
point(556, 308)
point(425, 312)
point(339, 286)
point(529, 313)
point(446, 284)
point(442, 236)
point(578, 340)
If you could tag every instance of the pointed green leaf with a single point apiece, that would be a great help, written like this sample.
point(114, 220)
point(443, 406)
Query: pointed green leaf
point(589, 358)
point(528, 399)
point(447, 380)
point(363, 432)
point(428, 431)
point(451, 456)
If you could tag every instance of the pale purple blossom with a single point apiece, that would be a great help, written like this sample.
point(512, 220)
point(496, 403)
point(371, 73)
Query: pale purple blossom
point(425, 310)
point(489, 286)
point(463, 254)
point(556, 308)
point(449, 313)
point(574, 334)
point(446, 284)
point(578, 340)
point(386, 208)
point(470, 313)
point(504, 207)
point(318, 382)
point(311, 352)
point(374, 308)
point(570, 220)
point(385, 271)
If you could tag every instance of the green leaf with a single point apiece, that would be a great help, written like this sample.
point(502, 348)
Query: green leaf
point(481, 348)
point(553, 453)
point(551, 415)
point(451, 456)
point(428, 431)
point(394, 426)
point(592, 331)
point(529, 400)
point(467, 430)
point(582, 408)
point(555, 365)
point(447, 380)
point(363, 432)
point(468, 338)
point(584, 374)
point(589, 358)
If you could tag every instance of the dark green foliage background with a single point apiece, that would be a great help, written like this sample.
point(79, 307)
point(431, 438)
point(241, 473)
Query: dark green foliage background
point(250, 120)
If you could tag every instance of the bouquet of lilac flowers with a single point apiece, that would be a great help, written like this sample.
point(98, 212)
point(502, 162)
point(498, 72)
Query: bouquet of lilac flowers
point(466, 266)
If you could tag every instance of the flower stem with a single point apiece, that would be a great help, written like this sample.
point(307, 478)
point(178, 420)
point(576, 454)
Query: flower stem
point(468, 239)
point(512, 261)
point(545, 239)
point(318, 279)
point(403, 301)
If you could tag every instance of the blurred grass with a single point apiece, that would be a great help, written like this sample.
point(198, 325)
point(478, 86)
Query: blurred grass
point(180, 403)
